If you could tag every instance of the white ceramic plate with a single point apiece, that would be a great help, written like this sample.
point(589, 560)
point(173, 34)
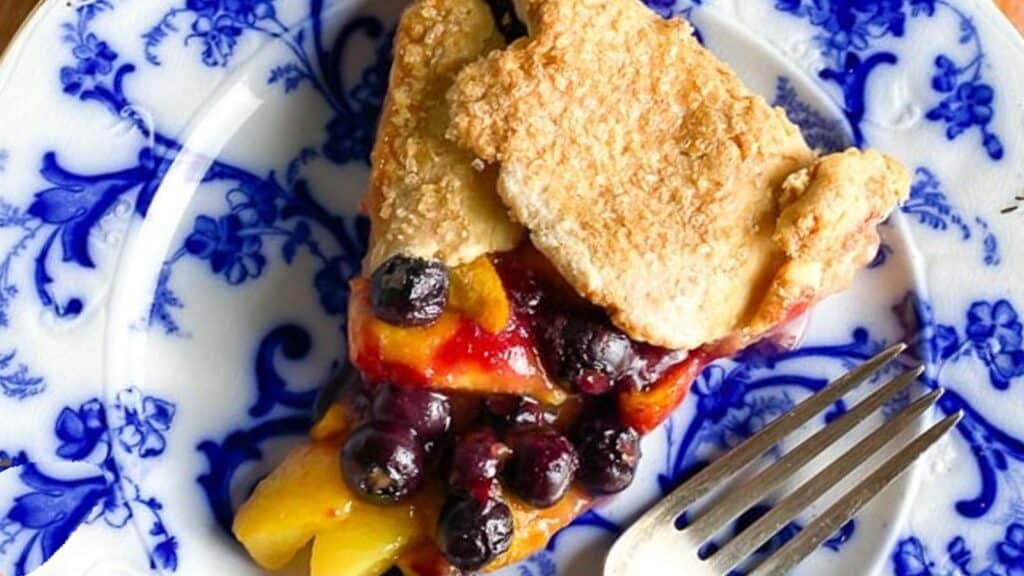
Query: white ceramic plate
point(178, 183)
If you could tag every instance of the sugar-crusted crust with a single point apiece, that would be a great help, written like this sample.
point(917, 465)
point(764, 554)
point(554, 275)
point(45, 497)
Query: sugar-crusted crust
point(653, 179)
point(425, 198)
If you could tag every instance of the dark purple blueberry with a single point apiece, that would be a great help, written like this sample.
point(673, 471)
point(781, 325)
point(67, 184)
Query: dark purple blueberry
point(477, 460)
point(594, 382)
point(428, 413)
point(471, 533)
point(609, 455)
point(542, 467)
point(384, 462)
point(588, 353)
point(409, 291)
point(518, 412)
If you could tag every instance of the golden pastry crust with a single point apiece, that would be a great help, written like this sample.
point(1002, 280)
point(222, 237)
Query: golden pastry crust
point(828, 227)
point(425, 198)
point(652, 177)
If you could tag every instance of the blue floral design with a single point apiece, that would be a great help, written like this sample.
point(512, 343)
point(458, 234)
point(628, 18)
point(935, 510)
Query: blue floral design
point(52, 507)
point(929, 206)
point(995, 332)
point(238, 258)
point(234, 244)
point(912, 558)
point(72, 207)
point(261, 211)
point(217, 24)
point(992, 331)
point(95, 60)
point(50, 510)
point(95, 74)
point(991, 335)
point(849, 32)
point(165, 305)
point(539, 565)
point(15, 379)
point(220, 24)
point(141, 422)
point(68, 212)
point(1010, 552)
point(734, 415)
point(81, 431)
point(969, 101)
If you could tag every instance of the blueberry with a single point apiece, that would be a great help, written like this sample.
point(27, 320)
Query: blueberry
point(609, 455)
point(383, 462)
point(428, 413)
point(518, 412)
point(477, 459)
point(471, 533)
point(542, 466)
point(588, 353)
point(409, 291)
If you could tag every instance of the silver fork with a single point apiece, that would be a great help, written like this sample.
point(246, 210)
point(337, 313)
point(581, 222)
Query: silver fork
point(653, 545)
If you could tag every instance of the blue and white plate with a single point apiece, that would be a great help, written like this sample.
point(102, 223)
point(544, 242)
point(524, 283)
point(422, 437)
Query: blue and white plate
point(178, 192)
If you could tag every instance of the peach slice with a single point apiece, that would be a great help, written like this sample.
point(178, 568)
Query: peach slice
point(372, 539)
point(306, 498)
point(333, 425)
point(303, 496)
point(477, 292)
point(645, 410)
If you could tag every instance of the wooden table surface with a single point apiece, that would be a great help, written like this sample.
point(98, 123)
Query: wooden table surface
point(13, 11)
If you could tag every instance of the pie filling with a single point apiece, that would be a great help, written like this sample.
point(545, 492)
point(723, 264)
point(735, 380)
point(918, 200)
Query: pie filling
point(489, 406)
point(511, 326)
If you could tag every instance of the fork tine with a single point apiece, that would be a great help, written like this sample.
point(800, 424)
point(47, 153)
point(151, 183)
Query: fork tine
point(738, 458)
point(765, 527)
point(763, 483)
point(808, 540)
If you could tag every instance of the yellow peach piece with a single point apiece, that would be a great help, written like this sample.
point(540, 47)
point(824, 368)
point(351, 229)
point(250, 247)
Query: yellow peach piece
point(333, 424)
point(477, 292)
point(305, 495)
point(367, 543)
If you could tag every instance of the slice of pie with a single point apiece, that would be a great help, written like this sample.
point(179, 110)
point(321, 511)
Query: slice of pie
point(566, 229)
